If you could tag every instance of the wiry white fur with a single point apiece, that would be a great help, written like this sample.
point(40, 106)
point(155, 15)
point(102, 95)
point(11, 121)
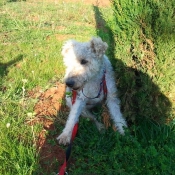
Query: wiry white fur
point(88, 77)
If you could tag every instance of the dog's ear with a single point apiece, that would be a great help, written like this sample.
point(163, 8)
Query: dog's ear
point(67, 46)
point(98, 46)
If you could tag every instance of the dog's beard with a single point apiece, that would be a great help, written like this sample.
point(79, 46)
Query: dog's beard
point(79, 88)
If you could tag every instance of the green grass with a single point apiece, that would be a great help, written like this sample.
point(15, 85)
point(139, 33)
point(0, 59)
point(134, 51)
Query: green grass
point(141, 37)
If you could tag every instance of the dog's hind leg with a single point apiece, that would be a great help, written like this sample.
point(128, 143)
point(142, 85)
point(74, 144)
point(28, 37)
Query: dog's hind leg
point(88, 114)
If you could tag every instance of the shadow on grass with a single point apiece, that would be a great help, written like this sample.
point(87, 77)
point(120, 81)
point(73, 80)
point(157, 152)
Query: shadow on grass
point(4, 67)
point(140, 97)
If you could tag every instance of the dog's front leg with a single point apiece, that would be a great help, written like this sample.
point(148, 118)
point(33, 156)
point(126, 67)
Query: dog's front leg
point(76, 109)
point(114, 108)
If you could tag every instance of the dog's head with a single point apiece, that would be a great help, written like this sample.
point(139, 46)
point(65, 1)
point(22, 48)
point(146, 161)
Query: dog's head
point(83, 61)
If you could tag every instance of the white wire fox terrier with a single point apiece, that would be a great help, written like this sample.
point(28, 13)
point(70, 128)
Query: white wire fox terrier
point(86, 65)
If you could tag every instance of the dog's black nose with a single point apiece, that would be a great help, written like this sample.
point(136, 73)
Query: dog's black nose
point(70, 83)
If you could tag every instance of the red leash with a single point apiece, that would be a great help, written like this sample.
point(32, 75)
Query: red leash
point(68, 151)
point(74, 132)
point(75, 129)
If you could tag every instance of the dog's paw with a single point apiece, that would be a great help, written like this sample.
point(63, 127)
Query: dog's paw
point(121, 128)
point(64, 138)
point(121, 131)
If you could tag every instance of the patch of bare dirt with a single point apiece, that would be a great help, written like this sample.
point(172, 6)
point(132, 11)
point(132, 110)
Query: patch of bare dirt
point(49, 103)
point(51, 154)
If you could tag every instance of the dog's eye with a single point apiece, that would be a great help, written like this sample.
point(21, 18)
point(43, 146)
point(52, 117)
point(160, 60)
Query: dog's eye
point(83, 61)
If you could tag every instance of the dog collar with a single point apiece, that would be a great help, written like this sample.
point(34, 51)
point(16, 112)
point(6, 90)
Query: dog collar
point(102, 86)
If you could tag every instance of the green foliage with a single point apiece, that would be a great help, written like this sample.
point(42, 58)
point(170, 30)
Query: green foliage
point(141, 31)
